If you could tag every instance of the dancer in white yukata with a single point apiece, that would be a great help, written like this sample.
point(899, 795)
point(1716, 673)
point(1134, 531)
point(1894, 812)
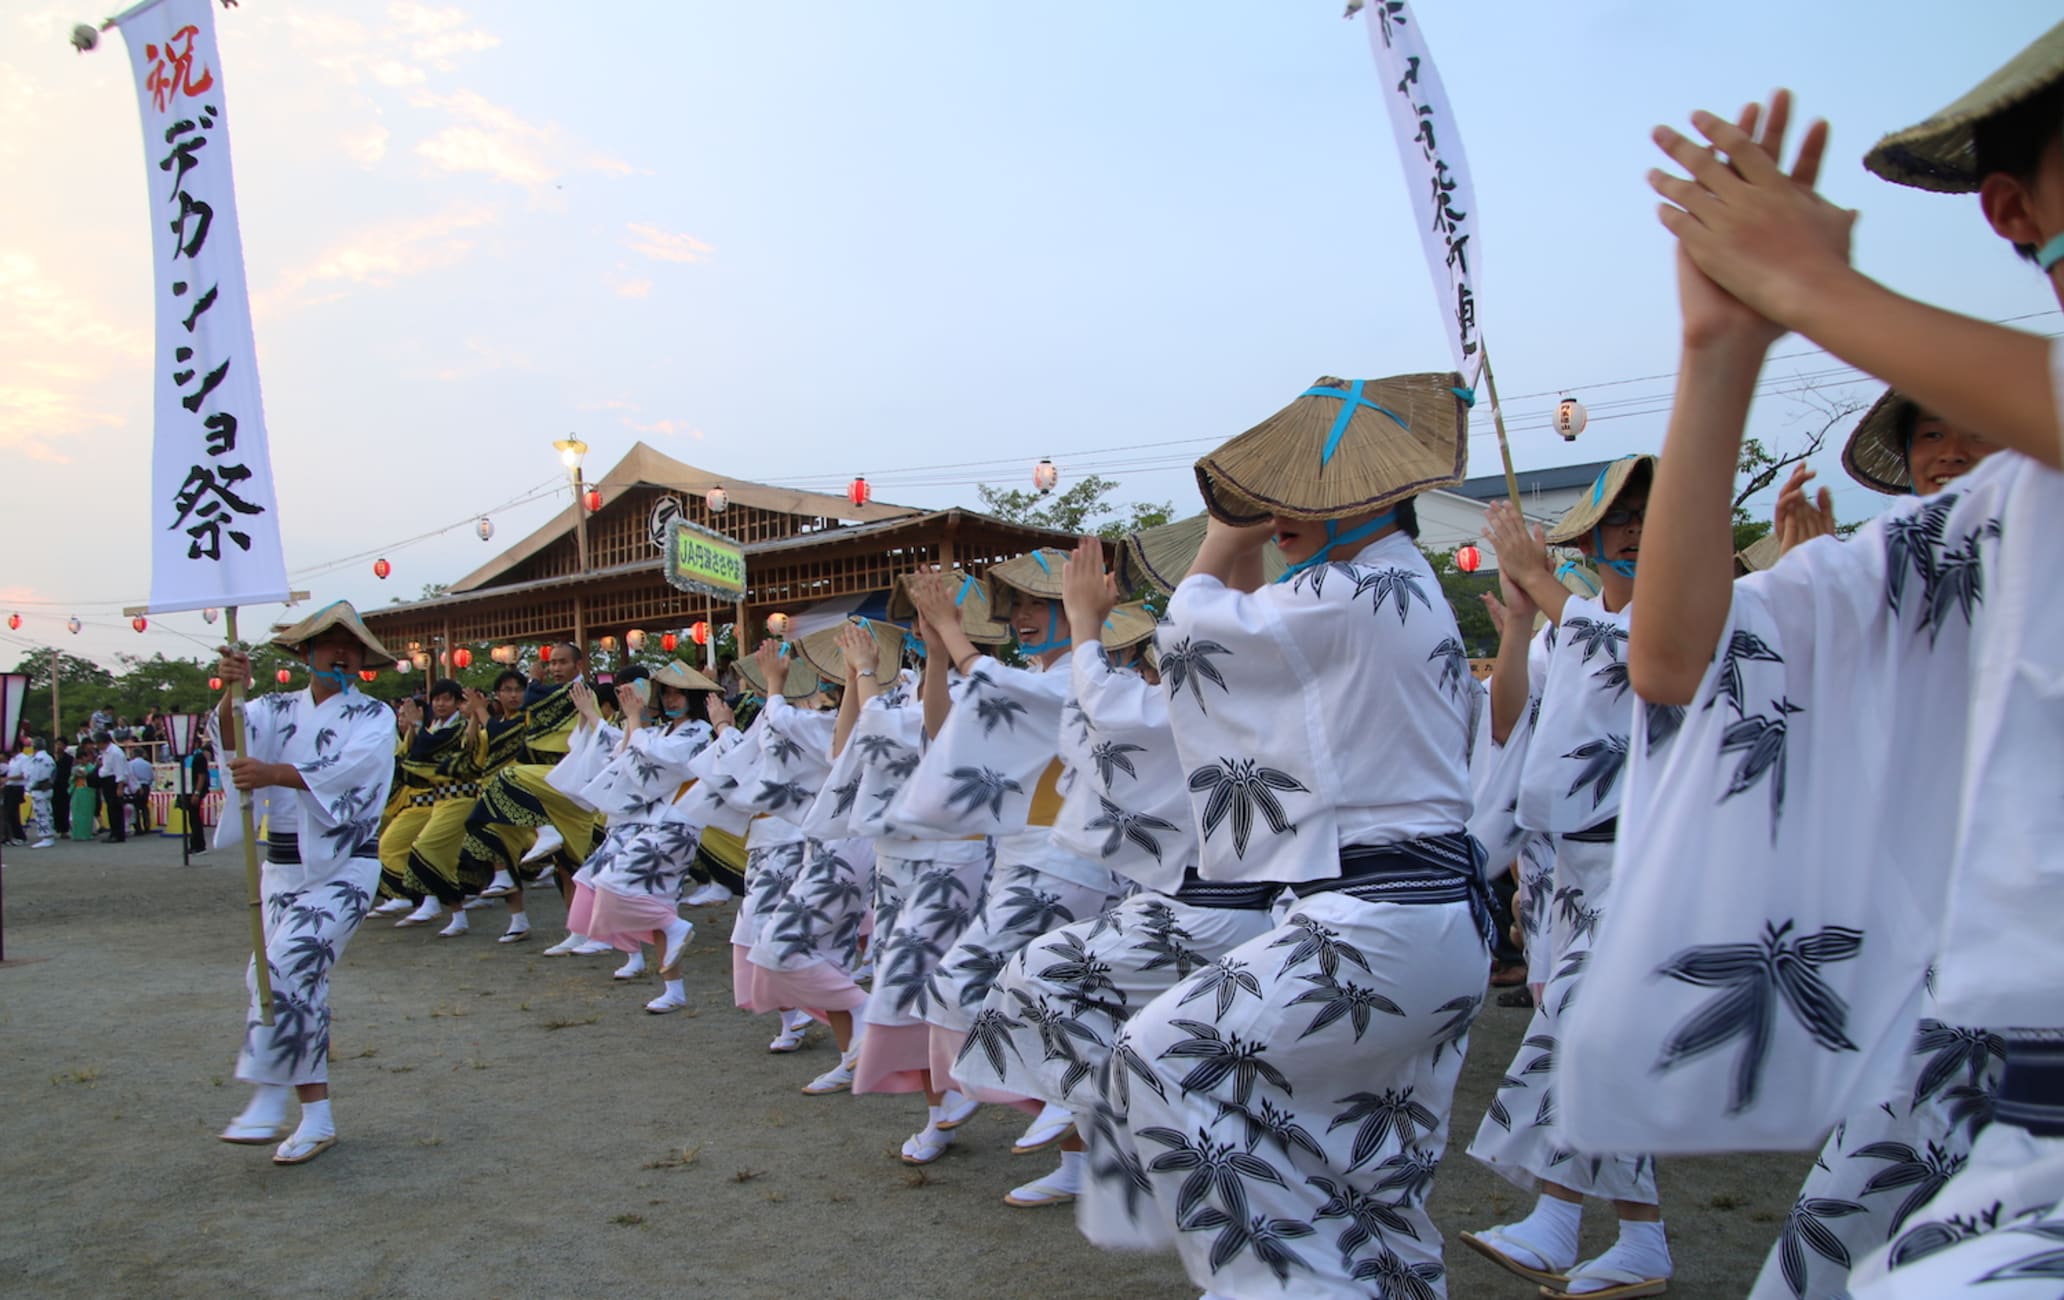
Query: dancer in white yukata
point(317, 765)
point(628, 891)
point(925, 889)
point(1280, 1114)
point(995, 767)
point(1781, 900)
point(1049, 1022)
point(39, 779)
point(1562, 714)
point(1885, 1159)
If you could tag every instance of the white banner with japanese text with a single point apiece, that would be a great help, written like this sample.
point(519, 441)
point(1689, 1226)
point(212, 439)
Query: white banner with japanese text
point(214, 517)
point(1436, 172)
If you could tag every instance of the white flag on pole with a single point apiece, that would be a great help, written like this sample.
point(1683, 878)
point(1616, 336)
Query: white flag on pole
point(215, 537)
point(1436, 172)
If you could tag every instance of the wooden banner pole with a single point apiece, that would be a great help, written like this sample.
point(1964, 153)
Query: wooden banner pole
point(233, 739)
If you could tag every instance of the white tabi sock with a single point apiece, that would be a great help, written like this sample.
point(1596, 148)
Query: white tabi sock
point(519, 923)
point(268, 1108)
point(315, 1120)
point(933, 1114)
point(1552, 1228)
point(795, 1020)
point(1069, 1176)
point(676, 989)
point(1642, 1249)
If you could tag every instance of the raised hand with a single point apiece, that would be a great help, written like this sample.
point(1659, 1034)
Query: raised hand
point(1522, 555)
point(933, 596)
point(234, 667)
point(1088, 594)
point(773, 664)
point(583, 700)
point(862, 655)
point(1757, 232)
point(720, 714)
point(1799, 519)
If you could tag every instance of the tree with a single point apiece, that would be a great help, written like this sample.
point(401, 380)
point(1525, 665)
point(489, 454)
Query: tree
point(81, 685)
point(1085, 507)
point(431, 591)
point(1464, 592)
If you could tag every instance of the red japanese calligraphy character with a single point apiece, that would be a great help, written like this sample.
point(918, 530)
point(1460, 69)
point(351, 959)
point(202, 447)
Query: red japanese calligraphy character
point(172, 69)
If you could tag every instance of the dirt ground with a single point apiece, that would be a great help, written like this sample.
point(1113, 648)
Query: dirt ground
point(516, 1126)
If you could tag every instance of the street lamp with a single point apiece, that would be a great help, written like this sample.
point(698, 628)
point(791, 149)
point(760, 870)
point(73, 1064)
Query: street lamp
point(571, 451)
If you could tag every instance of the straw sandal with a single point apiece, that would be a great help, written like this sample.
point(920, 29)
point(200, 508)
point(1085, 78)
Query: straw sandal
point(1492, 1243)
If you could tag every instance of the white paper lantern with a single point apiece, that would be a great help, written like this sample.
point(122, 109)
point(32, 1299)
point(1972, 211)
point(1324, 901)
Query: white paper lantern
point(1044, 475)
point(1570, 418)
point(484, 529)
point(716, 499)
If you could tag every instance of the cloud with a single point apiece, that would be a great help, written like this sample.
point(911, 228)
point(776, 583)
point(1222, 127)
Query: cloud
point(631, 288)
point(379, 255)
point(666, 428)
point(365, 147)
point(482, 357)
point(665, 246)
point(493, 140)
point(63, 353)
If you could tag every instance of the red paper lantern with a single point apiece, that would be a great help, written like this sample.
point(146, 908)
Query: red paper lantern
point(284, 676)
point(381, 569)
point(139, 622)
point(14, 622)
point(214, 683)
point(858, 492)
point(462, 658)
point(368, 674)
point(668, 641)
point(1467, 559)
point(699, 634)
point(593, 500)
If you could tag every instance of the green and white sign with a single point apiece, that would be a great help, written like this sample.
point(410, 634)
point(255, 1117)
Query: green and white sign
point(705, 563)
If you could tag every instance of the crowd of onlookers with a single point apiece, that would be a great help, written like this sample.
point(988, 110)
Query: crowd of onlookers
point(97, 784)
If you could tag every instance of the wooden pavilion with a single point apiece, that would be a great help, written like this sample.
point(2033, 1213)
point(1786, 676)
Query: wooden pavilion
point(802, 549)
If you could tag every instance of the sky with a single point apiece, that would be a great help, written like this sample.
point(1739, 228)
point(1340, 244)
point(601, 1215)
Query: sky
point(928, 241)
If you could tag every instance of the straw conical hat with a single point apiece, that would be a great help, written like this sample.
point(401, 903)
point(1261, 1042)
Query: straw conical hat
point(1578, 579)
point(1128, 625)
point(1759, 554)
point(1342, 448)
point(969, 592)
point(1941, 154)
point(1875, 454)
point(821, 650)
point(1035, 573)
point(1161, 556)
point(294, 639)
point(801, 682)
point(1578, 521)
point(683, 678)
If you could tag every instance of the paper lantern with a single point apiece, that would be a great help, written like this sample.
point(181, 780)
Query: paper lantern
point(462, 658)
point(403, 666)
point(1044, 475)
point(139, 622)
point(635, 639)
point(283, 676)
point(381, 569)
point(368, 674)
point(1570, 418)
point(73, 625)
point(777, 624)
point(209, 616)
point(14, 622)
point(858, 492)
point(484, 529)
point(716, 499)
point(421, 660)
point(1467, 559)
point(667, 642)
point(699, 634)
point(214, 683)
point(593, 500)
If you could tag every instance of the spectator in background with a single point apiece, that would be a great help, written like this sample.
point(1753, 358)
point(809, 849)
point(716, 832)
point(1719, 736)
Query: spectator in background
point(84, 790)
point(103, 719)
point(42, 776)
point(197, 764)
point(114, 774)
point(17, 787)
point(141, 776)
point(61, 786)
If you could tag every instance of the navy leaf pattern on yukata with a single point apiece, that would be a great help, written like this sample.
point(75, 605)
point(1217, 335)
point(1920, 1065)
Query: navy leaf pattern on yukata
point(1936, 1235)
point(1461, 1013)
point(1368, 1217)
point(1237, 787)
point(1596, 635)
point(990, 1033)
point(1338, 998)
point(1760, 740)
point(1664, 722)
point(1453, 659)
point(1912, 544)
point(777, 795)
point(1395, 1278)
point(976, 786)
point(1213, 1167)
point(2045, 1265)
point(1221, 1057)
point(1228, 977)
point(1604, 759)
point(994, 711)
point(1742, 648)
point(1805, 1230)
point(1392, 586)
point(1379, 1116)
point(1317, 942)
point(1272, 1123)
point(1123, 826)
point(1924, 1171)
point(1959, 586)
point(1110, 759)
point(1188, 663)
point(1755, 979)
point(1952, 1048)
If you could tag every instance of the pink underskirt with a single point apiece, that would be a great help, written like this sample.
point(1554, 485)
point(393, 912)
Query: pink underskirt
point(894, 1058)
point(945, 1050)
point(818, 988)
point(742, 980)
point(624, 921)
point(580, 913)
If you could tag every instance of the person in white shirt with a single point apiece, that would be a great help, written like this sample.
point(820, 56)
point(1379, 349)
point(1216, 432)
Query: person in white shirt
point(113, 774)
point(141, 777)
point(17, 787)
